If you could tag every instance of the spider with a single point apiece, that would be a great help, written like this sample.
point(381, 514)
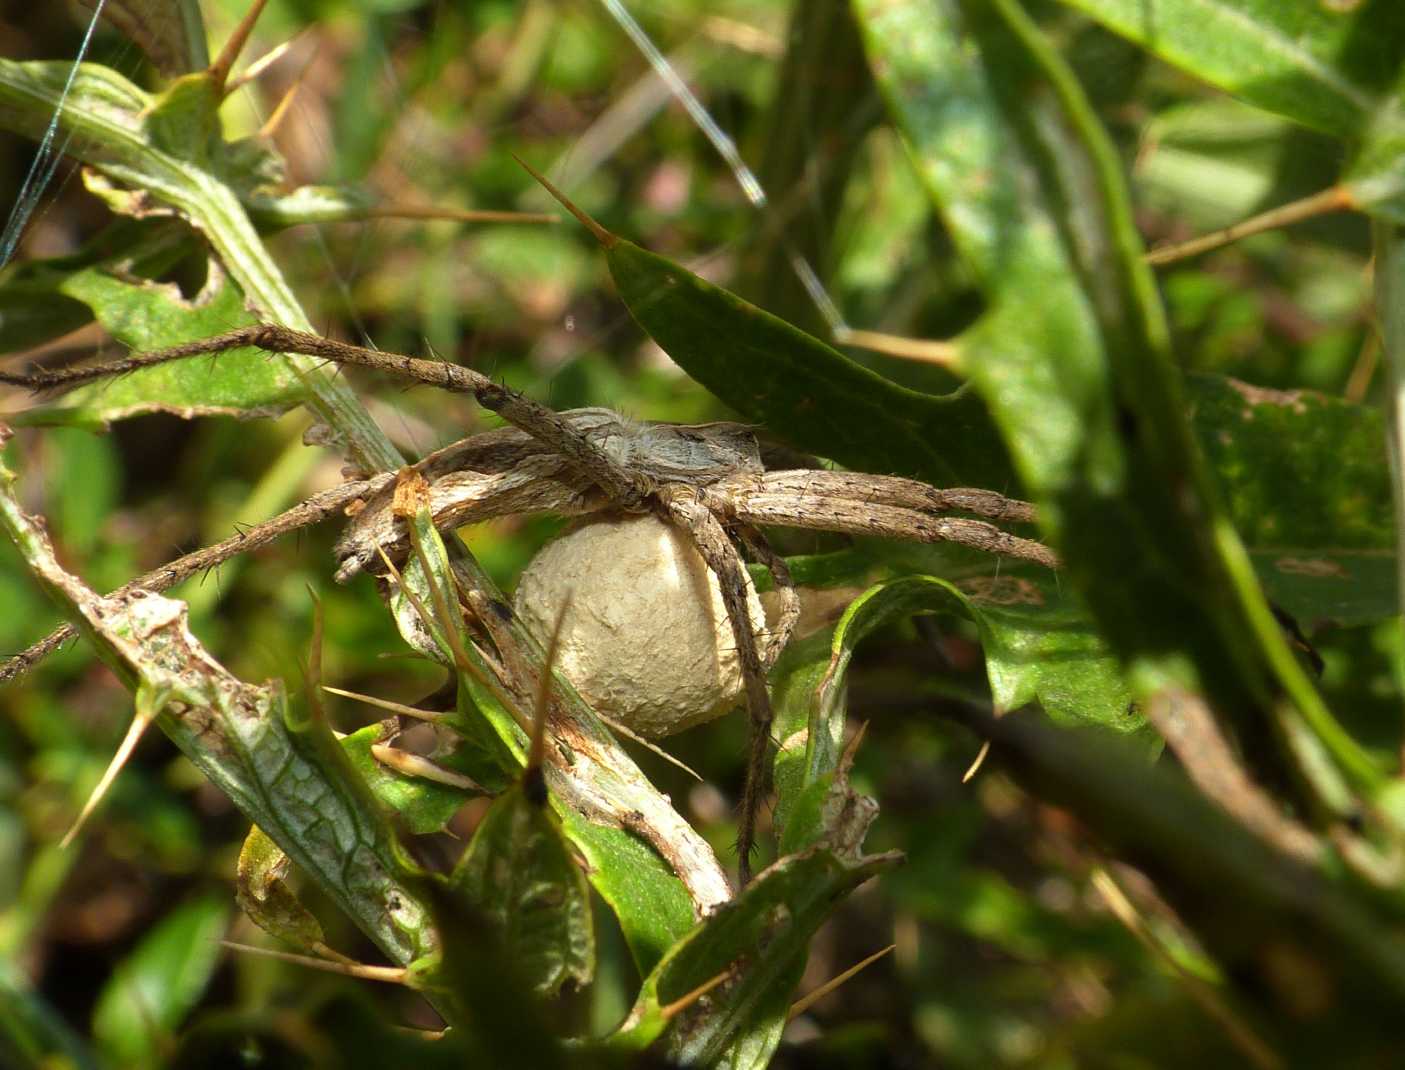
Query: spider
point(707, 480)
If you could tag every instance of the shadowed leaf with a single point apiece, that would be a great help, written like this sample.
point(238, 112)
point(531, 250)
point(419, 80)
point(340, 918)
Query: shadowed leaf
point(739, 1023)
point(519, 872)
point(1073, 358)
point(155, 986)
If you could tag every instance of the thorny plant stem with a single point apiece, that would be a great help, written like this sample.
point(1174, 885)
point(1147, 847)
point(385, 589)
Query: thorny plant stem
point(313, 511)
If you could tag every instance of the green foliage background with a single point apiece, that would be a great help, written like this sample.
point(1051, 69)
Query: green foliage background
point(927, 160)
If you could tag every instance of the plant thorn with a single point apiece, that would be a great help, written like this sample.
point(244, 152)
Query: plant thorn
point(603, 236)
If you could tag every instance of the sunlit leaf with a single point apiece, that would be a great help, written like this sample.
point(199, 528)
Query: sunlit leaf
point(165, 152)
point(145, 315)
point(739, 1023)
point(809, 734)
point(1037, 645)
point(1323, 65)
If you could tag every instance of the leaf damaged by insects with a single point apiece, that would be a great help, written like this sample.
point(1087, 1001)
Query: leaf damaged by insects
point(263, 894)
point(142, 314)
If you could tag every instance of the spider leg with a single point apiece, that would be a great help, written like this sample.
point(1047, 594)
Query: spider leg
point(781, 631)
point(856, 507)
point(313, 511)
point(681, 505)
point(539, 483)
point(624, 486)
point(897, 491)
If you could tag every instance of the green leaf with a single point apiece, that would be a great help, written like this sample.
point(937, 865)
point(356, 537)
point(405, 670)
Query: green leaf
point(1304, 477)
point(1329, 586)
point(155, 987)
point(761, 937)
point(1073, 357)
point(111, 279)
point(499, 1019)
point(1038, 646)
point(1336, 70)
point(33, 308)
point(423, 805)
point(1306, 480)
point(1211, 162)
point(166, 152)
point(145, 315)
point(801, 388)
point(1322, 65)
point(1375, 182)
point(1376, 178)
point(1296, 469)
point(520, 873)
point(650, 902)
point(809, 735)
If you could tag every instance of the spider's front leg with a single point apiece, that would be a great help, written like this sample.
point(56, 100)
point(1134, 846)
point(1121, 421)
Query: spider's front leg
point(682, 506)
point(625, 487)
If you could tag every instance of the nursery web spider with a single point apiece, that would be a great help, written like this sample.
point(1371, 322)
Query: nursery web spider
point(708, 480)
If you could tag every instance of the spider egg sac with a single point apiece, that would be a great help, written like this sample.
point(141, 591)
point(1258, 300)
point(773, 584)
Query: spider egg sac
point(646, 640)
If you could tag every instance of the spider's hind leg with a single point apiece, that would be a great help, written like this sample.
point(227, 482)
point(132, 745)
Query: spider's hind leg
point(681, 505)
point(777, 634)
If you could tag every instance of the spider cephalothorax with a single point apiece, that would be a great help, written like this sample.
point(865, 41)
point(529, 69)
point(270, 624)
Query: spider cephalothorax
point(508, 471)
